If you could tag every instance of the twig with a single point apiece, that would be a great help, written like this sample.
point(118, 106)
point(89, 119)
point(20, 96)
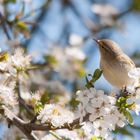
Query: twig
point(27, 107)
point(46, 127)
point(3, 23)
point(55, 135)
point(34, 119)
point(21, 101)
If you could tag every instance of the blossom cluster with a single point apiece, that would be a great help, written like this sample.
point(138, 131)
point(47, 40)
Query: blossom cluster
point(7, 96)
point(134, 90)
point(13, 63)
point(67, 61)
point(56, 115)
point(98, 113)
point(63, 133)
point(102, 112)
point(10, 65)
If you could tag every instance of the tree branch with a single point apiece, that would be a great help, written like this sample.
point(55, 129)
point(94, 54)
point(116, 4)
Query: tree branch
point(46, 127)
point(23, 127)
point(28, 127)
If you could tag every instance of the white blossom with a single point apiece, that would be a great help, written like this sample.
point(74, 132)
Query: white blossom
point(108, 9)
point(102, 112)
point(82, 96)
point(81, 112)
point(27, 1)
point(68, 60)
point(49, 137)
point(75, 39)
point(134, 90)
point(114, 118)
point(19, 59)
point(134, 73)
point(88, 129)
point(134, 99)
point(75, 53)
point(94, 102)
point(100, 129)
point(7, 66)
point(16, 61)
point(7, 96)
point(55, 114)
point(106, 12)
point(64, 133)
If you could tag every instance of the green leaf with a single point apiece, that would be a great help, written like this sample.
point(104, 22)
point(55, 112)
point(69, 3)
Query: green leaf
point(129, 117)
point(50, 59)
point(136, 5)
point(123, 131)
point(97, 74)
point(97, 138)
point(89, 84)
point(81, 72)
point(45, 98)
point(74, 103)
point(129, 106)
point(94, 138)
point(121, 102)
point(9, 1)
point(22, 25)
point(38, 107)
point(3, 56)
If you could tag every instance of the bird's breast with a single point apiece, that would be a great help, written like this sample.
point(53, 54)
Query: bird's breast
point(116, 73)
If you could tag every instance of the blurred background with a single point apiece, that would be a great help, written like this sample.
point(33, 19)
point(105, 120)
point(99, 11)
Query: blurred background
point(58, 34)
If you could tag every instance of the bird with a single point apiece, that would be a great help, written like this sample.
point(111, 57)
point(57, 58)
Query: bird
point(115, 64)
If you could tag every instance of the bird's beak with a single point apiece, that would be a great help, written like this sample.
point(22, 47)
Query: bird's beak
point(97, 41)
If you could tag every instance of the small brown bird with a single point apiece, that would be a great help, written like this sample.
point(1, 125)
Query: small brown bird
point(115, 63)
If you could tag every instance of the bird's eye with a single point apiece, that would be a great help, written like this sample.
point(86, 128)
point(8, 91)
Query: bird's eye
point(102, 46)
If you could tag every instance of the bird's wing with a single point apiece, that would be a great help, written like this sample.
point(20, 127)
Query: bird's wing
point(126, 60)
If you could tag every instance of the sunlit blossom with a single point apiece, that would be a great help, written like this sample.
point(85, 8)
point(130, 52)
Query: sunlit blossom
point(55, 114)
point(75, 39)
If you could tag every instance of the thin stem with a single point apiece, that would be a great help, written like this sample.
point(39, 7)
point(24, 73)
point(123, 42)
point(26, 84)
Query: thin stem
point(55, 135)
point(47, 127)
point(3, 22)
point(21, 100)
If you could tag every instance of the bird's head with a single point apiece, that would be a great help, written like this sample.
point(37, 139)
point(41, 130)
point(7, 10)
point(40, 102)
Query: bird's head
point(108, 47)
